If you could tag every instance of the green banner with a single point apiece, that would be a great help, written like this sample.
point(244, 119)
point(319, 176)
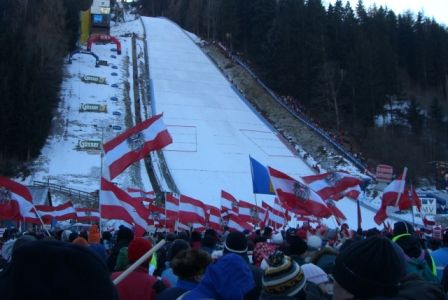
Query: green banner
point(89, 145)
point(89, 107)
point(94, 79)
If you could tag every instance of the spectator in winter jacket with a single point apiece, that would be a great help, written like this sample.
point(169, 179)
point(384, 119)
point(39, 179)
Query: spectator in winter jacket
point(124, 237)
point(189, 266)
point(53, 270)
point(138, 284)
point(229, 278)
point(236, 243)
point(418, 260)
point(440, 256)
point(367, 269)
point(175, 247)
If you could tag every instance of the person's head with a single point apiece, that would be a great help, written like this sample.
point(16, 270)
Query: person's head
point(80, 241)
point(267, 232)
point(283, 277)
point(137, 248)
point(208, 241)
point(176, 247)
point(53, 270)
point(368, 268)
point(106, 236)
point(124, 235)
point(435, 244)
point(296, 245)
point(190, 264)
point(402, 227)
point(236, 242)
point(195, 237)
point(94, 235)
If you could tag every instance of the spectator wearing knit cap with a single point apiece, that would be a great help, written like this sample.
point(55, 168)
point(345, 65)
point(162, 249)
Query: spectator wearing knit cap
point(367, 269)
point(138, 284)
point(416, 256)
point(283, 279)
point(236, 243)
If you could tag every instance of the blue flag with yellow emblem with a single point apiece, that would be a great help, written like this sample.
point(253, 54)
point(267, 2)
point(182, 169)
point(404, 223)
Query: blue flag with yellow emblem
point(260, 178)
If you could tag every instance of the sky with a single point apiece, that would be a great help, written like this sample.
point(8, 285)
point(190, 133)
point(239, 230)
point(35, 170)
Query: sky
point(431, 8)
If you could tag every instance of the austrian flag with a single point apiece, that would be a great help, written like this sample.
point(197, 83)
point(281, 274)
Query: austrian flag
point(134, 144)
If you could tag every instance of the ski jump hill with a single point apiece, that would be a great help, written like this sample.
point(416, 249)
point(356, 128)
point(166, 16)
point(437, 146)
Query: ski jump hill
point(214, 129)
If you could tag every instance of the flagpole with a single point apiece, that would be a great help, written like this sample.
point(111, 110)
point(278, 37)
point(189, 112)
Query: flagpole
point(403, 179)
point(412, 206)
point(40, 219)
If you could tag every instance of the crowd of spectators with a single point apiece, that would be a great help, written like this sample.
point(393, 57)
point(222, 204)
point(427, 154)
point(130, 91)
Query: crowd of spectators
point(297, 263)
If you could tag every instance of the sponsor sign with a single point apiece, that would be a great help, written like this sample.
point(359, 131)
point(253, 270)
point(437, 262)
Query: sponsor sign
point(93, 107)
point(93, 79)
point(429, 206)
point(89, 145)
point(384, 173)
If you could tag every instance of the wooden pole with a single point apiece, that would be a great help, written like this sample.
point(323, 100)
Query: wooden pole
point(136, 264)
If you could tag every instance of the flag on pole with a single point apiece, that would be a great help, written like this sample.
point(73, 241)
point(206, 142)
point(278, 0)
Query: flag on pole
point(115, 203)
point(229, 204)
point(61, 212)
point(11, 190)
point(134, 144)
point(87, 215)
point(331, 183)
point(141, 196)
point(260, 178)
point(191, 211)
point(297, 195)
point(236, 224)
point(248, 212)
point(213, 218)
point(391, 197)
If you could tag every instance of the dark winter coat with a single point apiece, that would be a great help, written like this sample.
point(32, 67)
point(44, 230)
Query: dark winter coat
point(414, 288)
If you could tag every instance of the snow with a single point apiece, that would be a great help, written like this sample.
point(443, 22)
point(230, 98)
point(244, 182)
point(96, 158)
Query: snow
point(213, 128)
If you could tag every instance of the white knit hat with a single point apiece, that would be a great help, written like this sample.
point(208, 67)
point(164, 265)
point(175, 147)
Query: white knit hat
point(314, 242)
point(314, 273)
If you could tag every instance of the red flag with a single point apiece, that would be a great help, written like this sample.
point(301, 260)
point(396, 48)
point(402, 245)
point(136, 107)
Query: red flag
point(331, 183)
point(213, 217)
point(9, 210)
point(297, 195)
point(134, 144)
point(117, 204)
point(144, 197)
point(229, 205)
point(247, 212)
point(274, 217)
point(352, 192)
point(11, 190)
point(61, 212)
point(236, 224)
point(191, 211)
point(87, 215)
point(390, 197)
point(339, 216)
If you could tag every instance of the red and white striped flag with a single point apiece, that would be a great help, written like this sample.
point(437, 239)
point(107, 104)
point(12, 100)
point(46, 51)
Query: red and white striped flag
point(297, 195)
point(236, 224)
point(11, 190)
point(134, 144)
point(191, 211)
point(87, 215)
point(332, 183)
point(275, 218)
point(229, 205)
point(213, 217)
point(117, 204)
point(248, 212)
point(390, 199)
point(172, 207)
point(143, 197)
point(352, 192)
point(338, 215)
point(61, 212)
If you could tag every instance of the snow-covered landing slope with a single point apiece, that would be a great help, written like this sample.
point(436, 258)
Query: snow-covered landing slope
point(213, 129)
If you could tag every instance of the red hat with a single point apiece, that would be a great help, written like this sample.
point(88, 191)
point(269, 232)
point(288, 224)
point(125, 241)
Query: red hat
point(137, 248)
